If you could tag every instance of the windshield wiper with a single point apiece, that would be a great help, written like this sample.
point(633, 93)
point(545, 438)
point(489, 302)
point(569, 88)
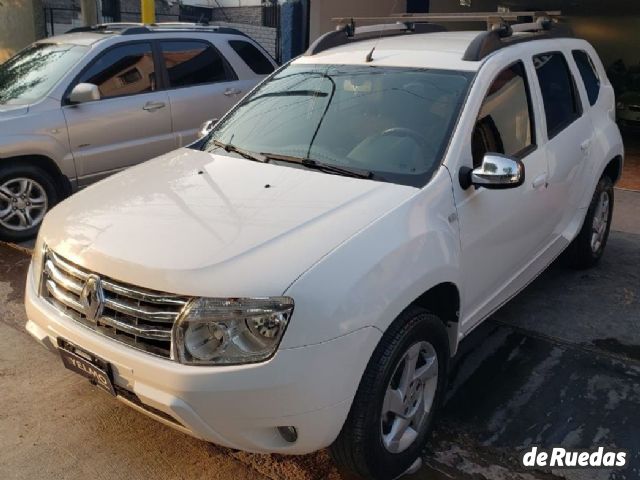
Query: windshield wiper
point(316, 165)
point(227, 147)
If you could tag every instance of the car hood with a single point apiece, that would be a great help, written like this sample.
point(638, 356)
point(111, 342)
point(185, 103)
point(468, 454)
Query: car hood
point(10, 111)
point(195, 223)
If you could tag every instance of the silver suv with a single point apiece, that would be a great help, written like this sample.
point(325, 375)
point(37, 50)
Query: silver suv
point(81, 106)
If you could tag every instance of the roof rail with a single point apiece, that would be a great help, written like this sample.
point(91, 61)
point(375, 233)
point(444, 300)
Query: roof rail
point(505, 35)
point(141, 28)
point(348, 33)
point(499, 34)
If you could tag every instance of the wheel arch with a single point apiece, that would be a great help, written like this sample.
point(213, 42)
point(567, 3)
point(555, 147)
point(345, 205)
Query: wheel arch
point(613, 169)
point(63, 184)
point(443, 300)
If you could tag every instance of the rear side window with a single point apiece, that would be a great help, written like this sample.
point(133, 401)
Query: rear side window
point(123, 70)
point(588, 74)
point(253, 57)
point(505, 123)
point(191, 63)
point(561, 101)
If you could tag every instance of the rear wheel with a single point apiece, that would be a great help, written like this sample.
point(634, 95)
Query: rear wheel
point(392, 414)
point(26, 194)
point(588, 247)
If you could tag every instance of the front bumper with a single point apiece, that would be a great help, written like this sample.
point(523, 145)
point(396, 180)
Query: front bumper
point(309, 387)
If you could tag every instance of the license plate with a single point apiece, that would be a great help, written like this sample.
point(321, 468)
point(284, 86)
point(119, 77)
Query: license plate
point(88, 365)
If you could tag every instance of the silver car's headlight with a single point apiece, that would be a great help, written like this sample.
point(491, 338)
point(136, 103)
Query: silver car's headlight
point(226, 331)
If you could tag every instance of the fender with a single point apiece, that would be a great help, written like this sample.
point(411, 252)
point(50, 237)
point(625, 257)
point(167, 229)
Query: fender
point(23, 145)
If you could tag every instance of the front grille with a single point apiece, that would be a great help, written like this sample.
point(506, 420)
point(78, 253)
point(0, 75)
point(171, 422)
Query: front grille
point(134, 316)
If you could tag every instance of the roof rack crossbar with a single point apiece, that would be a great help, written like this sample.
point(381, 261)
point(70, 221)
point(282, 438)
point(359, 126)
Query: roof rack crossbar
point(349, 33)
point(490, 18)
point(499, 34)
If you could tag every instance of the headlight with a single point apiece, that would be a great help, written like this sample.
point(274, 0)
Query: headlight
point(225, 331)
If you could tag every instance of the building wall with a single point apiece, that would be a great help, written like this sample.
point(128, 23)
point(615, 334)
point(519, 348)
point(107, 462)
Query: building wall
point(323, 10)
point(249, 15)
point(20, 24)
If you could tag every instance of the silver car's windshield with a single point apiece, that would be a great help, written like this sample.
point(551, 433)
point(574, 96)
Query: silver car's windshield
point(29, 75)
point(393, 123)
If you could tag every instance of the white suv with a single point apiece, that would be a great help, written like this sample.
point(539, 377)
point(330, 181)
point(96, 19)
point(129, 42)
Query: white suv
point(301, 277)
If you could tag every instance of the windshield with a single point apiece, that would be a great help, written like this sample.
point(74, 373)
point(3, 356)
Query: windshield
point(392, 122)
point(29, 75)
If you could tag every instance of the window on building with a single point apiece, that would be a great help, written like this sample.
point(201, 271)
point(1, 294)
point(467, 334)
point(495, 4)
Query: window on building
point(194, 63)
point(561, 101)
point(588, 74)
point(505, 123)
point(123, 70)
point(253, 57)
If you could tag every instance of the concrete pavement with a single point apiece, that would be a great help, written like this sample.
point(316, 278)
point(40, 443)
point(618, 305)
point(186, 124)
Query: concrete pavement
point(557, 366)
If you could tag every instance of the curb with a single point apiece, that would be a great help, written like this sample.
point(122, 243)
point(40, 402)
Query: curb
point(20, 248)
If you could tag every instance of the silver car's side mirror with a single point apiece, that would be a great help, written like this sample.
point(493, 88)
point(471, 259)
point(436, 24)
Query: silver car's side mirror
point(496, 172)
point(84, 92)
point(206, 127)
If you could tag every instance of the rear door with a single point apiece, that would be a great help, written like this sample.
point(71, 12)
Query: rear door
point(130, 123)
point(202, 85)
point(569, 134)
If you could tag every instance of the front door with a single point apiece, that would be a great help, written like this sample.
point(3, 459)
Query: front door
point(130, 123)
point(502, 231)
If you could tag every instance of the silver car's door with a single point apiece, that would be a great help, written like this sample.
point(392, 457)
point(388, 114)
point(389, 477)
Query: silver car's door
point(132, 120)
point(202, 85)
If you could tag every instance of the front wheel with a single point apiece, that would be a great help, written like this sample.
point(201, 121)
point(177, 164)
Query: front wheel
point(26, 194)
point(393, 410)
point(588, 247)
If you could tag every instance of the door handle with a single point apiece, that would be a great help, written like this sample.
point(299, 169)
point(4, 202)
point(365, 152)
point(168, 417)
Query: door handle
point(540, 181)
point(152, 106)
point(232, 91)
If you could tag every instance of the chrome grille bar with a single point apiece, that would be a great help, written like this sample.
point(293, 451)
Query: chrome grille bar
point(138, 317)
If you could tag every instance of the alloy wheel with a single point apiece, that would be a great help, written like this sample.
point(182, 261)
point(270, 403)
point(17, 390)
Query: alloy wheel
point(23, 204)
point(600, 222)
point(409, 397)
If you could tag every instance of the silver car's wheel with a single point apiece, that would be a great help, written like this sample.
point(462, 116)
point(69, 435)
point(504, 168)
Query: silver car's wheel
point(409, 397)
point(600, 221)
point(23, 204)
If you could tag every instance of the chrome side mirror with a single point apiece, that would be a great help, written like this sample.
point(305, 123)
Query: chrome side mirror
point(496, 172)
point(84, 92)
point(206, 127)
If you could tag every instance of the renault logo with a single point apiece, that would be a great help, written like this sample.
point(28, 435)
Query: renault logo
point(92, 298)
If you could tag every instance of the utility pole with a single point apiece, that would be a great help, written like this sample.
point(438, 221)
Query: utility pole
point(148, 9)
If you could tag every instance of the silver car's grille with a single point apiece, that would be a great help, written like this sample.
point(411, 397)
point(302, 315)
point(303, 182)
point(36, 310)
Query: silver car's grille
point(135, 316)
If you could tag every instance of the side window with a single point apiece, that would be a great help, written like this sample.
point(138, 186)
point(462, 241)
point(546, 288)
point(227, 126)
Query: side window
point(588, 74)
point(193, 63)
point(253, 57)
point(559, 95)
point(505, 123)
point(123, 70)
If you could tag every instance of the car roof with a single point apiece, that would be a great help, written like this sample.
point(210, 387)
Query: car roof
point(79, 38)
point(442, 50)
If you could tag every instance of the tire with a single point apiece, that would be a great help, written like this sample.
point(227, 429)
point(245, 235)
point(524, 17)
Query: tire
point(586, 250)
point(364, 445)
point(27, 192)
